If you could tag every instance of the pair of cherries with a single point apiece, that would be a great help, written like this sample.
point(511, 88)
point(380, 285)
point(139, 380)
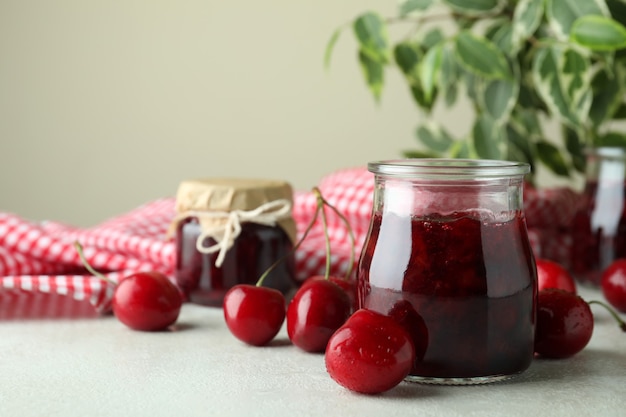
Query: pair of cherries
point(364, 351)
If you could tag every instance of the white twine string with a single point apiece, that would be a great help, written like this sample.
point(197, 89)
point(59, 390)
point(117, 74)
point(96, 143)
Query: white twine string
point(225, 234)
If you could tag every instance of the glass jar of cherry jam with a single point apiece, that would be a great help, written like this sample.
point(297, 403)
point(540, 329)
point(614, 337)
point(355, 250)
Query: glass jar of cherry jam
point(599, 225)
point(229, 231)
point(448, 256)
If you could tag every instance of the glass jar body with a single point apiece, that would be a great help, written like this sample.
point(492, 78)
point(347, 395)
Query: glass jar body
point(599, 225)
point(451, 260)
point(253, 251)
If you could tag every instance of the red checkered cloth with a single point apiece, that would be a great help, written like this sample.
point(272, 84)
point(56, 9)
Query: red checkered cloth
point(41, 274)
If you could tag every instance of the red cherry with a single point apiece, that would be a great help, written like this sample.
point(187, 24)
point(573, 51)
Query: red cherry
point(613, 284)
point(371, 353)
point(348, 285)
point(552, 275)
point(254, 314)
point(405, 315)
point(564, 323)
point(147, 301)
point(315, 312)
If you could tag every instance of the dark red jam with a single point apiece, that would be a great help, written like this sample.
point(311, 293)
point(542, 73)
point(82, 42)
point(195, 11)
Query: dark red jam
point(598, 230)
point(255, 249)
point(469, 285)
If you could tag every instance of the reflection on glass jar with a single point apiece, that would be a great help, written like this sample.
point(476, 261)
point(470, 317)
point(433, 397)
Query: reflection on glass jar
point(448, 238)
point(599, 225)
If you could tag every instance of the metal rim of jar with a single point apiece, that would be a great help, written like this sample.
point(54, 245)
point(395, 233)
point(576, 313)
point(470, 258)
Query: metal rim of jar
point(448, 168)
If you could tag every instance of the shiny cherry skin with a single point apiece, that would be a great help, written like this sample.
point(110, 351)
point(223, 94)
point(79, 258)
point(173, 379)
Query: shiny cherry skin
point(371, 353)
point(147, 301)
point(315, 312)
point(564, 324)
point(551, 274)
point(348, 285)
point(613, 284)
point(254, 314)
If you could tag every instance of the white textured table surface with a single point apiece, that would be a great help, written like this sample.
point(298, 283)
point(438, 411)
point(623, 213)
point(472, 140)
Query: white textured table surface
point(97, 367)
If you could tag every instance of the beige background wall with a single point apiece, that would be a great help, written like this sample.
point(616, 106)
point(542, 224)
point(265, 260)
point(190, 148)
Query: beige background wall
point(107, 104)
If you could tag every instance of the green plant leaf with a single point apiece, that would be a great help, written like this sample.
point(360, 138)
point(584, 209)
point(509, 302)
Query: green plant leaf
point(414, 153)
point(407, 56)
point(330, 46)
point(561, 78)
point(460, 149)
point(574, 146)
point(449, 71)
point(371, 32)
point(420, 99)
point(480, 56)
point(432, 38)
point(474, 7)
point(617, 9)
point(373, 72)
point(488, 138)
point(526, 19)
point(520, 146)
point(429, 71)
point(407, 7)
point(434, 137)
point(598, 33)
point(503, 39)
point(608, 95)
point(499, 98)
point(620, 113)
point(552, 158)
point(562, 14)
point(617, 139)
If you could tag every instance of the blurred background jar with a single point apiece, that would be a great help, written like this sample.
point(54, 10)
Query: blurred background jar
point(229, 231)
point(599, 225)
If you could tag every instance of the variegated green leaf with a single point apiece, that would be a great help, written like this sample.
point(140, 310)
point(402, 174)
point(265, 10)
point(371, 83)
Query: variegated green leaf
point(480, 56)
point(552, 158)
point(561, 78)
point(520, 146)
point(420, 98)
point(371, 32)
point(526, 19)
point(461, 149)
point(434, 137)
point(608, 95)
point(414, 153)
point(598, 33)
point(475, 7)
point(500, 97)
point(373, 72)
point(617, 139)
point(407, 7)
point(429, 71)
point(503, 39)
point(562, 14)
point(407, 56)
point(432, 38)
point(488, 138)
point(449, 71)
point(575, 146)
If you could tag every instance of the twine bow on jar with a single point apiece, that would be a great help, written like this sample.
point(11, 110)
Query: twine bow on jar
point(227, 225)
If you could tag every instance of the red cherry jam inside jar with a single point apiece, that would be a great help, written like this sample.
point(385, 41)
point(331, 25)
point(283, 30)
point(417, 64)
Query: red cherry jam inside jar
point(448, 246)
point(257, 216)
point(599, 225)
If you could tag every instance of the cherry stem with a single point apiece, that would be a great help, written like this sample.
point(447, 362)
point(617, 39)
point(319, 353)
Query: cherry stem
point(322, 208)
point(350, 233)
point(259, 283)
point(81, 255)
point(617, 318)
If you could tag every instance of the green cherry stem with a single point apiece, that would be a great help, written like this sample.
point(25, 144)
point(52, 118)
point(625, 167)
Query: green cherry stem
point(350, 233)
point(321, 206)
point(617, 318)
point(81, 255)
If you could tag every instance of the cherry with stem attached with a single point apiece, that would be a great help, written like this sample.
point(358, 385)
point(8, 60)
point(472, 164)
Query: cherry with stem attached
point(146, 301)
point(320, 306)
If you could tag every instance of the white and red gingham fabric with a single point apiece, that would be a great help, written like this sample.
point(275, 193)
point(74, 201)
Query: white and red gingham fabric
point(41, 274)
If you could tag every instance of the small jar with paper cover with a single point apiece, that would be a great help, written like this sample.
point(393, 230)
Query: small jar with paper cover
point(229, 231)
